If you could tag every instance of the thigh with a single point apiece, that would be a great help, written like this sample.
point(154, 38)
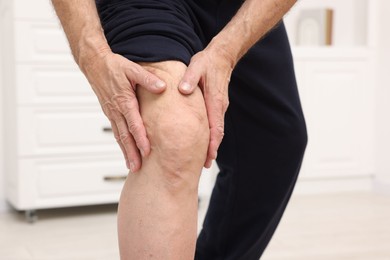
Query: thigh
point(150, 30)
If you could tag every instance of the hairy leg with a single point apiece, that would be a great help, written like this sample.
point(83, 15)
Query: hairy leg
point(157, 214)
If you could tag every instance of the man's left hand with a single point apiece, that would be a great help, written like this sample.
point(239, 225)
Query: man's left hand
point(210, 69)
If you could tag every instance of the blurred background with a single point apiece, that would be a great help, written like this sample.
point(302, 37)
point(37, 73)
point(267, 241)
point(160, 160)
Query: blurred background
point(61, 171)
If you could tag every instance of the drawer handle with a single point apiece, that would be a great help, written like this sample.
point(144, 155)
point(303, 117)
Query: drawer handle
point(115, 178)
point(107, 129)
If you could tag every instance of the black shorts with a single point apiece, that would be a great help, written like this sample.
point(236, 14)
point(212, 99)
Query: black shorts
point(158, 30)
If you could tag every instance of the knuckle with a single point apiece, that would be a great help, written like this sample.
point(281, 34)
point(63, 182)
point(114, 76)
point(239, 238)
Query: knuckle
point(134, 127)
point(135, 68)
point(119, 105)
point(147, 79)
point(124, 137)
point(115, 116)
point(127, 114)
point(219, 129)
point(221, 95)
point(221, 133)
point(225, 104)
point(124, 102)
point(220, 99)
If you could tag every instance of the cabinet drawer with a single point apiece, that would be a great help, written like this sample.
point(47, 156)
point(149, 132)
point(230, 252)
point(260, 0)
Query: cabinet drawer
point(40, 41)
point(53, 84)
point(58, 182)
point(53, 131)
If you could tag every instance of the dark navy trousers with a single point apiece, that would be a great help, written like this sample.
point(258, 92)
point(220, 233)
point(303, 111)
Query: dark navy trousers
point(265, 133)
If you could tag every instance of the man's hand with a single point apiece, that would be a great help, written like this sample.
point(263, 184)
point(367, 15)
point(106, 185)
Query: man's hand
point(211, 70)
point(114, 79)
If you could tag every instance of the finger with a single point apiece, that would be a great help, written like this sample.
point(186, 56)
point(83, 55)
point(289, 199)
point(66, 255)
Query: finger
point(191, 78)
point(216, 113)
point(113, 115)
point(216, 135)
point(128, 107)
point(137, 75)
point(135, 162)
point(137, 129)
point(212, 152)
point(208, 163)
point(127, 141)
point(116, 136)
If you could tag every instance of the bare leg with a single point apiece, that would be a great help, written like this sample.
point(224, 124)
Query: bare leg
point(157, 213)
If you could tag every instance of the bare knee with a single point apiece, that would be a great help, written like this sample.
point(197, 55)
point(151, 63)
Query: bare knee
point(177, 127)
point(180, 143)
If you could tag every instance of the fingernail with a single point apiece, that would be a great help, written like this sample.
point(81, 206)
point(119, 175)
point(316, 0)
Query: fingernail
point(185, 86)
point(160, 84)
point(208, 164)
point(127, 164)
point(142, 152)
point(132, 167)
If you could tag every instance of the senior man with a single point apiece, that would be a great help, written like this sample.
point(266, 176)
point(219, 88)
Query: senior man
point(164, 72)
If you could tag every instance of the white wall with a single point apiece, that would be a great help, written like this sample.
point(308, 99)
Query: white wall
point(2, 197)
point(382, 180)
point(3, 205)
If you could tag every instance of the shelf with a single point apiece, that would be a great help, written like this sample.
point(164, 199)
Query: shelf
point(351, 20)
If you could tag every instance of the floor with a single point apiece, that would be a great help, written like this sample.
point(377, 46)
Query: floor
point(353, 226)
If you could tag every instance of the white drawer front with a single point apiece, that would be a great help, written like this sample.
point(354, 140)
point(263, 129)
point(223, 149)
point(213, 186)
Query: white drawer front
point(53, 84)
point(57, 182)
point(50, 131)
point(40, 41)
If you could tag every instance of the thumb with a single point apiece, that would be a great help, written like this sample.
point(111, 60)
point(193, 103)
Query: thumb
point(140, 76)
point(190, 79)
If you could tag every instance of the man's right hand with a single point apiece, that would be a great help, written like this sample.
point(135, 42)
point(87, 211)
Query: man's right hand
point(114, 79)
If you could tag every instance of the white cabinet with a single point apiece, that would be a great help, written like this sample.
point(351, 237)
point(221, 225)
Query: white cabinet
point(59, 150)
point(337, 94)
point(337, 89)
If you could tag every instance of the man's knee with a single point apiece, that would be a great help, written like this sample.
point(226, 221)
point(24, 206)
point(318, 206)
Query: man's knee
point(177, 125)
point(180, 141)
